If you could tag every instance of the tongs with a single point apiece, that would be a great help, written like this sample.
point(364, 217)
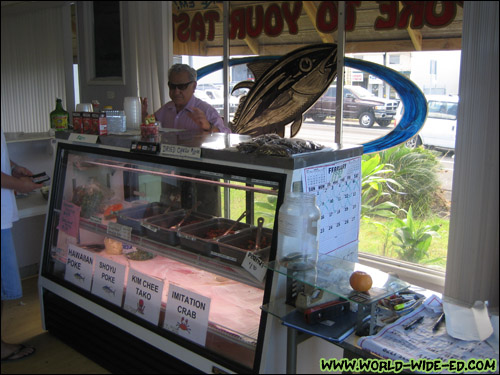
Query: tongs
point(260, 223)
point(188, 213)
point(175, 200)
point(233, 226)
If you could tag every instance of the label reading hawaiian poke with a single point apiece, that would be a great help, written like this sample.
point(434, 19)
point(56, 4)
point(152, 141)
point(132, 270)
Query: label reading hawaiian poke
point(79, 267)
point(187, 314)
point(143, 296)
point(109, 280)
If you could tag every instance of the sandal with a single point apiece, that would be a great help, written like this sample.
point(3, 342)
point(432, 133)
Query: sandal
point(12, 357)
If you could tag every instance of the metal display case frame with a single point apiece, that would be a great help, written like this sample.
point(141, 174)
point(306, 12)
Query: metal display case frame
point(123, 342)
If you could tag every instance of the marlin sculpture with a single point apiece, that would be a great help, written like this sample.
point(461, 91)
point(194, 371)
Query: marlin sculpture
point(284, 89)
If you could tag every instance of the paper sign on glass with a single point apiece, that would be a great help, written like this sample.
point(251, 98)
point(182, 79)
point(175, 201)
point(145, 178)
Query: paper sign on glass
point(79, 267)
point(143, 296)
point(109, 280)
point(69, 220)
point(187, 314)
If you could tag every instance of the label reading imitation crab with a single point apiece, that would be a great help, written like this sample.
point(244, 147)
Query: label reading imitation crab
point(187, 314)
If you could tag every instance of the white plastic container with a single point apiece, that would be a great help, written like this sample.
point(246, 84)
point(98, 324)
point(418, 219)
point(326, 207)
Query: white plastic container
point(117, 122)
point(132, 107)
point(298, 232)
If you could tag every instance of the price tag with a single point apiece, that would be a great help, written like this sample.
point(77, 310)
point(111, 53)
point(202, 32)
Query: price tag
point(180, 151)
point(144, 147)
point(95, 219)
point(152, 228)
point(215, 254)
point(85, 138)
point(253, 264)
point(119, 230)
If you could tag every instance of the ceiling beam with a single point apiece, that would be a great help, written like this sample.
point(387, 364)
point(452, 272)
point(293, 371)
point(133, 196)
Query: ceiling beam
point(449, 44)
point(415, 35)
point(251, 42)
point(311, 10)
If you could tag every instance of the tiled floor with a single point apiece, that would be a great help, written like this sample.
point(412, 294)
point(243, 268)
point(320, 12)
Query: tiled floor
point(21, 323)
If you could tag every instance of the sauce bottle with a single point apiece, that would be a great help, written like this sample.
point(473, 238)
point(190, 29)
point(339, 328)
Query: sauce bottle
point(59, 118)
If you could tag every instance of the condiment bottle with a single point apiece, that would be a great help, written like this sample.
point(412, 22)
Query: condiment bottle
point(59, 117)
point(298, 232)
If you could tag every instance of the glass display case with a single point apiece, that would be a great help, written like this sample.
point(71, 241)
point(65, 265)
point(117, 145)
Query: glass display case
point(161, 259)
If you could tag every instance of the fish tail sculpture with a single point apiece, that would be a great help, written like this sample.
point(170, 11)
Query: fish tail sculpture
point(284, 90)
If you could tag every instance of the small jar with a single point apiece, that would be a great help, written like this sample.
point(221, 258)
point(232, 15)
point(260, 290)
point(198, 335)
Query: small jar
point(298, 232)
point(150, 130)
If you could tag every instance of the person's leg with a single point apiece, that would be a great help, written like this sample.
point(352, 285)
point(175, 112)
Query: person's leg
point(11, 289)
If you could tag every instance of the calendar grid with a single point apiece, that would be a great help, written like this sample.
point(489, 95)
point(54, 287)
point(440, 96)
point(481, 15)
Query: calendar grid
point(337, 187)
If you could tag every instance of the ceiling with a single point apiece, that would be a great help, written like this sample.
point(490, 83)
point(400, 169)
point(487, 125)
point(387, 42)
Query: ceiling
point(362, 39)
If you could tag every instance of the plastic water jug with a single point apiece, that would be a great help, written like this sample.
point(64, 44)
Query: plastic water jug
point(298, 232)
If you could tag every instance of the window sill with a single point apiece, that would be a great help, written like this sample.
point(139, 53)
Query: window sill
point(412, 273)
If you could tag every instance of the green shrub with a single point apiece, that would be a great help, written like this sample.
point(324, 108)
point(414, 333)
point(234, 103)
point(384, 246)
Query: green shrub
point(376, 184)
point(416, 172)
point(413, 239)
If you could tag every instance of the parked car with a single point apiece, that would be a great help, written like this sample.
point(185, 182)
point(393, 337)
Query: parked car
point(440, 126)
point(211, 98)
point(215, 98)
point(206, 86)
point(359, 103)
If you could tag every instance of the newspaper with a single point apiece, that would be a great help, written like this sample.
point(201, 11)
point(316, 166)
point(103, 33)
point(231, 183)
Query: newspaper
point(421, 342)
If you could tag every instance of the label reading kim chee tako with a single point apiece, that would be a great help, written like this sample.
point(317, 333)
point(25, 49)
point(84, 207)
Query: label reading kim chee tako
point(187, 314)
point(143, 296)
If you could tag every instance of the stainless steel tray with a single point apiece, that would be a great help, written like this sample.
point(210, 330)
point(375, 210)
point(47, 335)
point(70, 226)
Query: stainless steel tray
point(195, 237)
point(233, 248)
point(162, 228)
point(134, 216)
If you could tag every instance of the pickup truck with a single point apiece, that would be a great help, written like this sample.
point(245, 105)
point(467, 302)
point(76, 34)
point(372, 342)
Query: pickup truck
point(359, 103)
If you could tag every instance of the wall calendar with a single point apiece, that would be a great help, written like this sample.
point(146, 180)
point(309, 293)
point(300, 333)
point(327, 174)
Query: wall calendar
point(337, 187)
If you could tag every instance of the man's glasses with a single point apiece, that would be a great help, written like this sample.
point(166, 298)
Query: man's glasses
point(180, 86)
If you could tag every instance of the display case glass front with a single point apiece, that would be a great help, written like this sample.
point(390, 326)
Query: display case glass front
point(176, 246)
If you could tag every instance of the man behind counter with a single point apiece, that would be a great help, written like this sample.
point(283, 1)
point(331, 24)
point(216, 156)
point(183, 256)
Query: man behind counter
point(185, 111)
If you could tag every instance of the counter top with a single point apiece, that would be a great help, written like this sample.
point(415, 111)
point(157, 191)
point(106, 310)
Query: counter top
point(26, 137)
point(222, 147)
point(31, 205)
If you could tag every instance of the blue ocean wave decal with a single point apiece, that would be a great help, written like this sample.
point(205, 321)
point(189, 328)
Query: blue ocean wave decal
point(414, 102)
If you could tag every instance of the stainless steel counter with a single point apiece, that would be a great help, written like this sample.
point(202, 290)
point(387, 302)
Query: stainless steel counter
point(222, 147)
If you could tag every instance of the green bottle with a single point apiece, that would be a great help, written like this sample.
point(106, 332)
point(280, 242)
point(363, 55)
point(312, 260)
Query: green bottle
point(59, 117)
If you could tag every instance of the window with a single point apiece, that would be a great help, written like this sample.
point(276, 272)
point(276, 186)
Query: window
point(394, 59)
point(107, 39)
point(260, 30)
point(103, 42)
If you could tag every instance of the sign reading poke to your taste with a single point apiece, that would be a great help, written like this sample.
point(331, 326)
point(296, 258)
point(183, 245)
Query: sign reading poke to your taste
point(187, 314)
